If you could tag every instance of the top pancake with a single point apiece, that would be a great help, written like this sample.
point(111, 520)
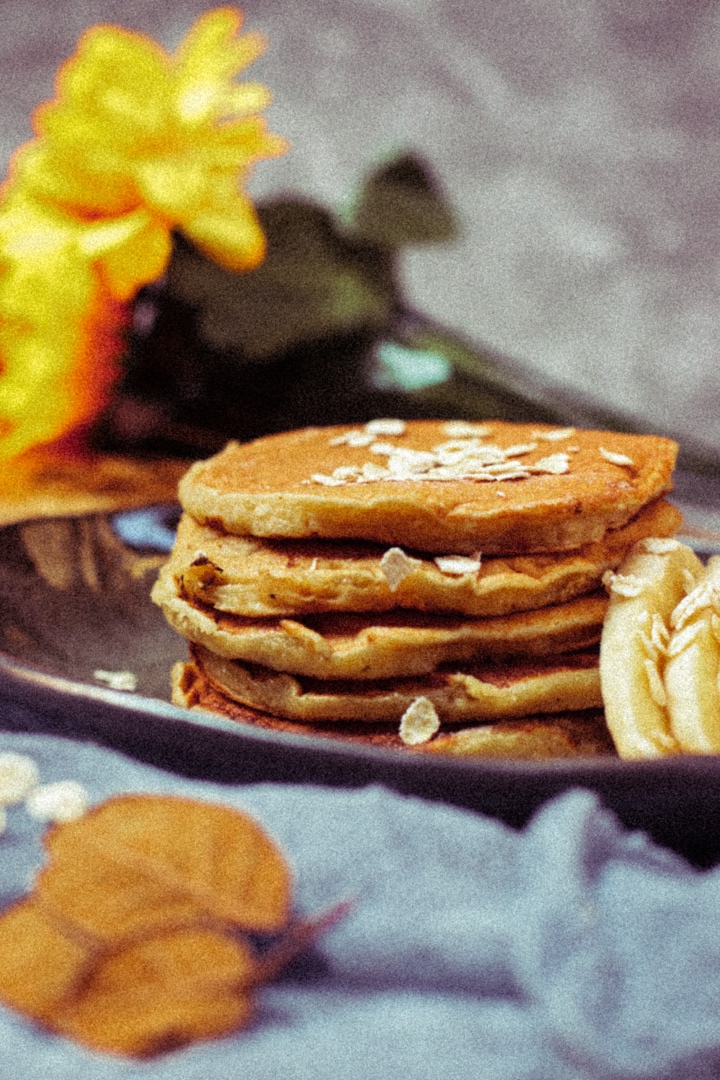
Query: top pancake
point(504, 489)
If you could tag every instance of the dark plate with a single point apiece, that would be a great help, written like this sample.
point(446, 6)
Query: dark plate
point(75, 600)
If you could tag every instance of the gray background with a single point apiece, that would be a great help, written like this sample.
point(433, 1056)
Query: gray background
point(578, 139)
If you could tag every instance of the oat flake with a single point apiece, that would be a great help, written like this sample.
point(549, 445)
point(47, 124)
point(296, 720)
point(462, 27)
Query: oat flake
point(458, 565)
point(346, 472)
point(117, 680)
point(419, 722)
point(556, 434)
point(18, 777)
point(520, 449)
point(371, 471)
point(615, 459)
point(623, 584)
point(385, 427)
point(353, 438)
point(65, 800)
point(555, 464)
point(396, 566)
point(460, 429)
point(327, 481)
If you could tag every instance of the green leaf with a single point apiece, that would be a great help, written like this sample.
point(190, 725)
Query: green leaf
point(401, 203)
point(313, 284)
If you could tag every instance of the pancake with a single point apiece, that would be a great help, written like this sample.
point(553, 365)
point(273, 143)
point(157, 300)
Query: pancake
point(249, 576)
point(460, 693)
point(379, 646)
point(531, 737)
point(431, 486)
point(535, 737)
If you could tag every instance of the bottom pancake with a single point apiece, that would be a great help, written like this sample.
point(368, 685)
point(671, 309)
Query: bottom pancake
point(468, 692)
point(560, 735)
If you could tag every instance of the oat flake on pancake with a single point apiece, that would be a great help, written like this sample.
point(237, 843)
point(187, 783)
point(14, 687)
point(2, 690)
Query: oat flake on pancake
point(420, 486)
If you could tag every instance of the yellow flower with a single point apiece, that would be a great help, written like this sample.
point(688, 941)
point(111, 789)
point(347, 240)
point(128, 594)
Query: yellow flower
point(168, 138)
point(56, 378)
point(58, 355)
point(39, 243)
point(136, 143)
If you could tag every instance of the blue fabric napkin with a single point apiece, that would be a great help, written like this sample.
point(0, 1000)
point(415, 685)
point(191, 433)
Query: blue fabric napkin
point(573, 949)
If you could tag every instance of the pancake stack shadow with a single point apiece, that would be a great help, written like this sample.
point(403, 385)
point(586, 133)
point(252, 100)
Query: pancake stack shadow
point(426, 585)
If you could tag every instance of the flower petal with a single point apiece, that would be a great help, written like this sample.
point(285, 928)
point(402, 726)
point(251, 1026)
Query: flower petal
point(230, 234)
point(97, 239)
point(79, 185)
point(109, 57)
point(237, 143)
point(173, 185)
point(212, 48)
point(247, 97)
point(141, 259)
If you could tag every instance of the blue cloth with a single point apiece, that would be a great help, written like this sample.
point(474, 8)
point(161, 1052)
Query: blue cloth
point(573, 949)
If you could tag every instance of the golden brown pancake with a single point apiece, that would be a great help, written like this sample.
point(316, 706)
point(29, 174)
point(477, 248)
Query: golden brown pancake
point(340, 645)
point(513, 488)
point(458, 693)
point(247, 575)
point(571, 734)
point(437, 575)
point(532, 737)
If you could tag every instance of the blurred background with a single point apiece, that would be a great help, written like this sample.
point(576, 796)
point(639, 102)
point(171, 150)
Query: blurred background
point(577, 146)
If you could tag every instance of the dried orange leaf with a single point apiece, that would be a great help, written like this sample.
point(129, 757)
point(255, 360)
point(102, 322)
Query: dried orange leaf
point(136, 938)
point(39, 965)
point(140, 861)
point(297, 938)
point(162, 993)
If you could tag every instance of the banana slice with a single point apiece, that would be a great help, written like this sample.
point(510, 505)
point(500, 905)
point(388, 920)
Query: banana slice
point(691, 670)
point(651, 582)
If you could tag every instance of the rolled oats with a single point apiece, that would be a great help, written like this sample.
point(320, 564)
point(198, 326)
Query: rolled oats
point(396, 566)
point(419, 722)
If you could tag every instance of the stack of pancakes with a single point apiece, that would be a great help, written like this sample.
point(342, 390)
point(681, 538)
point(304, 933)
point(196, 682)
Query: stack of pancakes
point(426, 584)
